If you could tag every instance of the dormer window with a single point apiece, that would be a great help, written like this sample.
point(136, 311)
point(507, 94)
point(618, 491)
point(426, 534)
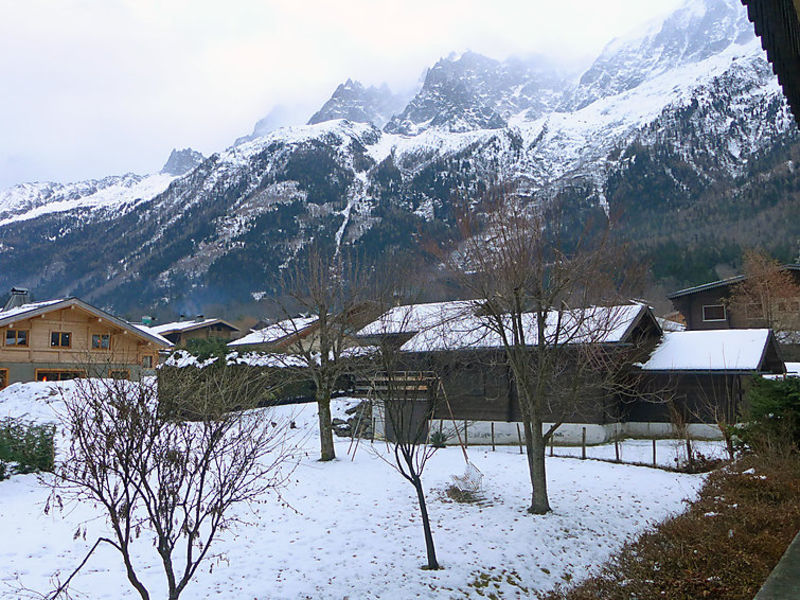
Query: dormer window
point(16, 337)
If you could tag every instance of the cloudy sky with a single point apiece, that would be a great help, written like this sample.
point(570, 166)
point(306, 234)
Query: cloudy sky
point(99, 87)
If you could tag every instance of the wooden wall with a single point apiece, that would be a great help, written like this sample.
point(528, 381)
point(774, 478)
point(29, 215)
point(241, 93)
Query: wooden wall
point(126, 348)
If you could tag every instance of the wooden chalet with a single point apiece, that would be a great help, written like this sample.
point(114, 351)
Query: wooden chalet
point(708, 307)
point(463, 363)
point(67, 338)
point(777, 23)
point(282, 336)
point(200, 328)
point(705, 371)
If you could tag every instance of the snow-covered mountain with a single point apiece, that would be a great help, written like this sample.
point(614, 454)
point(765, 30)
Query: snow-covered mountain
point(669, 126)
point(354, 102)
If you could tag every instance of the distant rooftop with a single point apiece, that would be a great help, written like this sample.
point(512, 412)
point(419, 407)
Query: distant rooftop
point(739, 350)
point(176, 326)
point(721, 283)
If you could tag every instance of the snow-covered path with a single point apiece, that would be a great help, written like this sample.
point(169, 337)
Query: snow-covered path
point(351, 528)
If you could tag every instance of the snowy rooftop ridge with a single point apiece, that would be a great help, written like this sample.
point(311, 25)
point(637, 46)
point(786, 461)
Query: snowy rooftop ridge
point(596, 324)
point(411, 318)
point(176, 326)
point(26, 308)
point(714, 350)
point(273, 333)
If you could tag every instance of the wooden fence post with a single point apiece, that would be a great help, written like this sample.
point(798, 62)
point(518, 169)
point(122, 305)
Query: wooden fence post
point(493, 448)
point(519, 435)
point(583, 443)
point(654, 453)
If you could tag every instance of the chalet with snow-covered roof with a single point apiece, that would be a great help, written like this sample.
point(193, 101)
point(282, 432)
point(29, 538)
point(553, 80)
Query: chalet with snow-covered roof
point(702, 374)
point(200, 328)
point(280, 336)
point(66, 338)
point(448, 350)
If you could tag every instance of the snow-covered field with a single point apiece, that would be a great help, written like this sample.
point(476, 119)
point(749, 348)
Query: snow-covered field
point(350, 528)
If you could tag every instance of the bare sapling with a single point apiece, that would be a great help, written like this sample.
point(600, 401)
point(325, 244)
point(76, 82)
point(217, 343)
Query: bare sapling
point(163, 482)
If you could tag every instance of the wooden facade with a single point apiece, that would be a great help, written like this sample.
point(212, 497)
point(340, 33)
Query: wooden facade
point(705, 307)
point(777, 23)
point(69, 338)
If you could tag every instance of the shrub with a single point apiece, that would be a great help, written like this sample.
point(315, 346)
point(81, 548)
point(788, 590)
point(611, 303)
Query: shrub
point(25, 447)
point(438, 439)
point(206, 348)
point(773, 419)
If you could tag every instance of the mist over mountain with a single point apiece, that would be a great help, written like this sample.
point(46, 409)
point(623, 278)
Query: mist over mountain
point(681, 130)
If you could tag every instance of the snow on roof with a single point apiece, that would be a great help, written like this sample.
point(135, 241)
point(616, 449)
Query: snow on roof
point(25, 308)
point(273, 333)
point(792, 369)
point(176, 326)
point(183, 358)
point(714, 350)
point(598, 324)
point(151, 332)
point(410, 318)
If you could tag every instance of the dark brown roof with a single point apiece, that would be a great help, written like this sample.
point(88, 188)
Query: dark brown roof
point(721, 283)
point(777, 22)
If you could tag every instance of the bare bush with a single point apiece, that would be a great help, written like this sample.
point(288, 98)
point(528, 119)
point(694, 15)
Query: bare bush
point(155, 475)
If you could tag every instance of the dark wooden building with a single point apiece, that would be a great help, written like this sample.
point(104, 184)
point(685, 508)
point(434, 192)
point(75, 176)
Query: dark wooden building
point(466, 375)
point(180, 332)
point(777, 23)
point(707, 306)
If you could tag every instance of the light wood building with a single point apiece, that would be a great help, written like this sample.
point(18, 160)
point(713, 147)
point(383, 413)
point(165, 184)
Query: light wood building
point(67, 338)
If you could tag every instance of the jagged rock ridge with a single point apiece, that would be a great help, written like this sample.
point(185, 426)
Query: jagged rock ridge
point(671, 128)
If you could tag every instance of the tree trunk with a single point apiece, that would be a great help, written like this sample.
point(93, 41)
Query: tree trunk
point(536, 447)
point(426, 525)
point(327, 451)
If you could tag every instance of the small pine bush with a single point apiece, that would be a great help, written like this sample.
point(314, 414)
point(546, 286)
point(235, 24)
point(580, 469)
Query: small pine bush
point(25, 447)
point(773, 419)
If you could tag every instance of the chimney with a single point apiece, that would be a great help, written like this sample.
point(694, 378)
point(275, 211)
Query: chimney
point(200, 318)
point(19, 296)
point(147, 320)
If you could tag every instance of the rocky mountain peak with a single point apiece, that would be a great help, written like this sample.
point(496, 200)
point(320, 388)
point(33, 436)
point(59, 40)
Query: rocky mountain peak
point(698, 30)
point(354, 102)
point(471, 91)
point(182, 161)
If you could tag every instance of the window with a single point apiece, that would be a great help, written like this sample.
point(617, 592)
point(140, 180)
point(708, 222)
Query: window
point(16, 337)
point(714, 312)
point(101, 341)
point(3, 378)
point(52, 375)
point(119, 374)
point(60, 339)
point(147, 361)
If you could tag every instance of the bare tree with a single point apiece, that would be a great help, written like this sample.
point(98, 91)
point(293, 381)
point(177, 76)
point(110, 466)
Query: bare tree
point(537, 286)
point(408, 401)
point(769, 296)
point(330, 289)
point(155, 474)
point(719, 403)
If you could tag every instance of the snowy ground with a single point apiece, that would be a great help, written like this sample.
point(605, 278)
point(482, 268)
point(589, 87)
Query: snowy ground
point(351, 528)
point(669, 453)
